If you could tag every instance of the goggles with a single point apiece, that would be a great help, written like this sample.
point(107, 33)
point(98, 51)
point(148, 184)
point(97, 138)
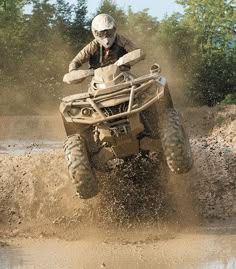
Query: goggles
point(106, 33)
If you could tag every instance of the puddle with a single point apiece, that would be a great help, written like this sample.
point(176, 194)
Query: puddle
point(19, 147)
point(198, 250)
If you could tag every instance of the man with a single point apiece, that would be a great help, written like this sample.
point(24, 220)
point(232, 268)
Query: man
point(107, 46)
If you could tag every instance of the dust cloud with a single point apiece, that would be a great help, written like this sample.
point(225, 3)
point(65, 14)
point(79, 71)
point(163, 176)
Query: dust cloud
point(35, 87)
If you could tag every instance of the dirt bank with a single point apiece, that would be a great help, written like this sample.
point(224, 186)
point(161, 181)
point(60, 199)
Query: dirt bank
point(37, 199)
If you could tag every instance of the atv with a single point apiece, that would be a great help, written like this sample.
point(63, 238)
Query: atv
point(113, 119)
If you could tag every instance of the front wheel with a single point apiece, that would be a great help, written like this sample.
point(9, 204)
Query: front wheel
point(175, 142)
point(79, 167)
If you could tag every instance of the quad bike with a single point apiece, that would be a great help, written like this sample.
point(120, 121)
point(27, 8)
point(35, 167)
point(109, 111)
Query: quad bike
point(114, 117)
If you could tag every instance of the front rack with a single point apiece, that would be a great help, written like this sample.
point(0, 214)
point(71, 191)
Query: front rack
point(94, 99)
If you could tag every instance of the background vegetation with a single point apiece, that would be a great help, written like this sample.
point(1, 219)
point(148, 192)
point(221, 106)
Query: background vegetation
point(36, 47)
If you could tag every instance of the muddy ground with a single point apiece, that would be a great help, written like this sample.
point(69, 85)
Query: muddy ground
point(37, 199)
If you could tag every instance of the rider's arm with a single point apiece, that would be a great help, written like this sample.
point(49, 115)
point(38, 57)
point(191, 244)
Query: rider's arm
point(129, 47)
point(83, 56)
point(127, 44)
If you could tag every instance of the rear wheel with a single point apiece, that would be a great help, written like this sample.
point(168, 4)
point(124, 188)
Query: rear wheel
point(79, 167)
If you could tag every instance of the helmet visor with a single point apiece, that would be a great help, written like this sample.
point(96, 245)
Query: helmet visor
point(105, 33)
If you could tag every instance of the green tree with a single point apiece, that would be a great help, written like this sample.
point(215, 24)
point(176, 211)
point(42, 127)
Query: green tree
point(12, 6)
point(213, 23)
point(35, 50)
point(79, 31)
point(41, 23)
point(110, 7)
point(176, 38)
point(63, 18)
point(63, 11)
point(142, 27)
point(12, 33)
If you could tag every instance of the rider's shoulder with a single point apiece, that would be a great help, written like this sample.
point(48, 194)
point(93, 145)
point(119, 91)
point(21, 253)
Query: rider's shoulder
point(93, 45)
point(122, 40)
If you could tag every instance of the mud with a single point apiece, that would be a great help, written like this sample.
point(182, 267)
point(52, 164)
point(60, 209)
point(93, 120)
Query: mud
point(142, 214)
point(214, 247)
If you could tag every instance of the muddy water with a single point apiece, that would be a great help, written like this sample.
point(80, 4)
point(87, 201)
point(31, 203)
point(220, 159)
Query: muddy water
point(19, 147)
point(30, 134)
point(203, 248)
point(52, 210)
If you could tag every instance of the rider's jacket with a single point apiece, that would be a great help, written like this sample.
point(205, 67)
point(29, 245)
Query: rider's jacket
point(98, 56)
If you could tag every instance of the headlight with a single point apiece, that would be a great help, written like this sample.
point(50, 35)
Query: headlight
point(74, 111)
point(86, 111)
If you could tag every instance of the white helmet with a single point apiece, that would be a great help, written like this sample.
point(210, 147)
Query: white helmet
point(104, 30)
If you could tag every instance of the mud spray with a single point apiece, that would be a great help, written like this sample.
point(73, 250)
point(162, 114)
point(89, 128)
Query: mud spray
point(35, 185)
point(144, 217)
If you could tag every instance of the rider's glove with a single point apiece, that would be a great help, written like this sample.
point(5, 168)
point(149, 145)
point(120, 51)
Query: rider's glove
point(73, 66)
point(119, 62)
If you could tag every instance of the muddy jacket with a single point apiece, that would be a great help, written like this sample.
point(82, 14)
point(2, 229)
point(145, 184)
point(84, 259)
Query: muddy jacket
point(98, 56)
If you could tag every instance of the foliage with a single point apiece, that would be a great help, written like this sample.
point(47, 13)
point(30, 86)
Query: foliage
point(12, 33)
point(177, 39)
point(230, 99)
point(79, 32)
point(213, 79)
point(110, 7)
point(142, 27)
point(36, 49)
point(213, 23)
